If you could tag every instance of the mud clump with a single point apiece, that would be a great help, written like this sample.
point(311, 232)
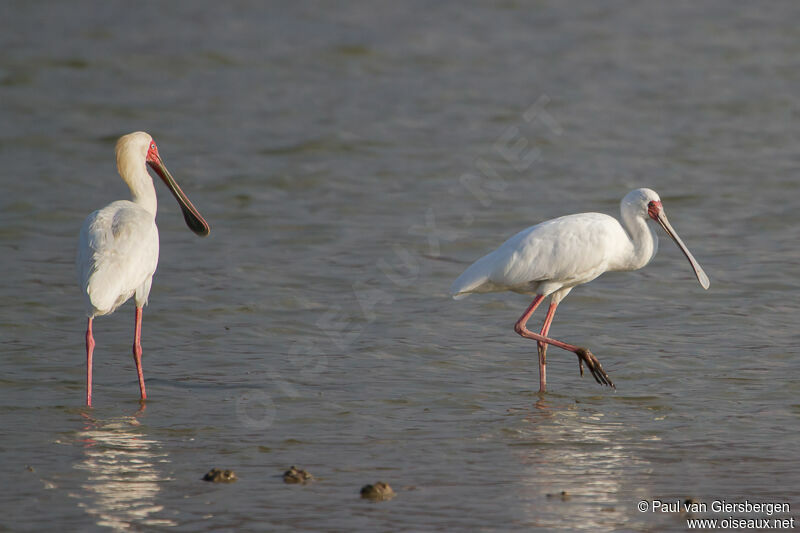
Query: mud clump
point(295, 475)
point(380, 491)
point(217, 475)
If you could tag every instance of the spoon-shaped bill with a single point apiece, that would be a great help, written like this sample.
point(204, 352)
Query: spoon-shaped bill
point(698, 270)
point(192, 217)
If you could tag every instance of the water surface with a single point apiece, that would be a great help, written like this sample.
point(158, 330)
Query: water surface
point(352, 161)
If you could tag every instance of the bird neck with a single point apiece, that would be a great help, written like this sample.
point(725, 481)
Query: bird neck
point(643, 241)
point(143, 192)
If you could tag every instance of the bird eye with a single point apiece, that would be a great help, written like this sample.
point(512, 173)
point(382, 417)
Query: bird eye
point(650, 204)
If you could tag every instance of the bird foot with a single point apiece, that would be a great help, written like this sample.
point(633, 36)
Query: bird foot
point(594, 366)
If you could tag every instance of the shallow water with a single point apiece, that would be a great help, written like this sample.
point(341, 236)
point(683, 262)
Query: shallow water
point(352, 162)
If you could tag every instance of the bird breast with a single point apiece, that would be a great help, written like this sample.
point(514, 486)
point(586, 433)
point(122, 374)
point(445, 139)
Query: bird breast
point(117, 254)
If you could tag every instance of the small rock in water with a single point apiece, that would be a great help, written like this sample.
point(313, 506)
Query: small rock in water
point(293, 475)
point(216, 475)
point(689, 504)
point(378, 491)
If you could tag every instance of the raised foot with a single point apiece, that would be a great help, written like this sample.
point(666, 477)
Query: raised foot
point(594, 366)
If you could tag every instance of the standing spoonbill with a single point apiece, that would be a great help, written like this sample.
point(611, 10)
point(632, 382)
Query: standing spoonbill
point(551, 258)
point(118, 245)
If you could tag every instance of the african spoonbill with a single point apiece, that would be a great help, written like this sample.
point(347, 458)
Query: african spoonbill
point(551, 258)
point(118, 245)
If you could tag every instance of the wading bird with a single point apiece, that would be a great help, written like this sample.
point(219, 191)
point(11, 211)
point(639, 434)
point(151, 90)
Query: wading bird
point(551, 258)
point(118, 245)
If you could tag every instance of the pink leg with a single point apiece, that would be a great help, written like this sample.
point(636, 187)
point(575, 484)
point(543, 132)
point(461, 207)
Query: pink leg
point(137, 351)
point(519, 327)
point(89, 352)
point(584, 355)
point(543, 347)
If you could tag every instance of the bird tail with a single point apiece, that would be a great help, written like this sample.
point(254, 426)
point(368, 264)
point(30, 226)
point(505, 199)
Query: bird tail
point(472, 280)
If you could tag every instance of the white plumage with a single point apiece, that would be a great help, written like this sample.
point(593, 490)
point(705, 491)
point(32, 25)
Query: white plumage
point(118, 255)
point(551, 258)
point(118, 245)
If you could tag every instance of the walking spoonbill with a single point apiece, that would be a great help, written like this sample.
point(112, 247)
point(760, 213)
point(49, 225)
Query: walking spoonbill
point(551, 258)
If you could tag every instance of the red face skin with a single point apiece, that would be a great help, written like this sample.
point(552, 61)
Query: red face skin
point(152, 153)
point(653, 208)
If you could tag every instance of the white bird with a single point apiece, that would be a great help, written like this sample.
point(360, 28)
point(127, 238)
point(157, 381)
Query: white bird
point(551, 258)
point(118, 245)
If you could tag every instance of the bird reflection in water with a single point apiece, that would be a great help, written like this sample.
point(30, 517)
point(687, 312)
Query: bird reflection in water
point(571, 458)
point(123, 478)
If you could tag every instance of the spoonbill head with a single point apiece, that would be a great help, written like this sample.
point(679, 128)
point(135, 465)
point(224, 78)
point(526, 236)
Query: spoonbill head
point(655, 210)
point(552, 257)
point(118, 245)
